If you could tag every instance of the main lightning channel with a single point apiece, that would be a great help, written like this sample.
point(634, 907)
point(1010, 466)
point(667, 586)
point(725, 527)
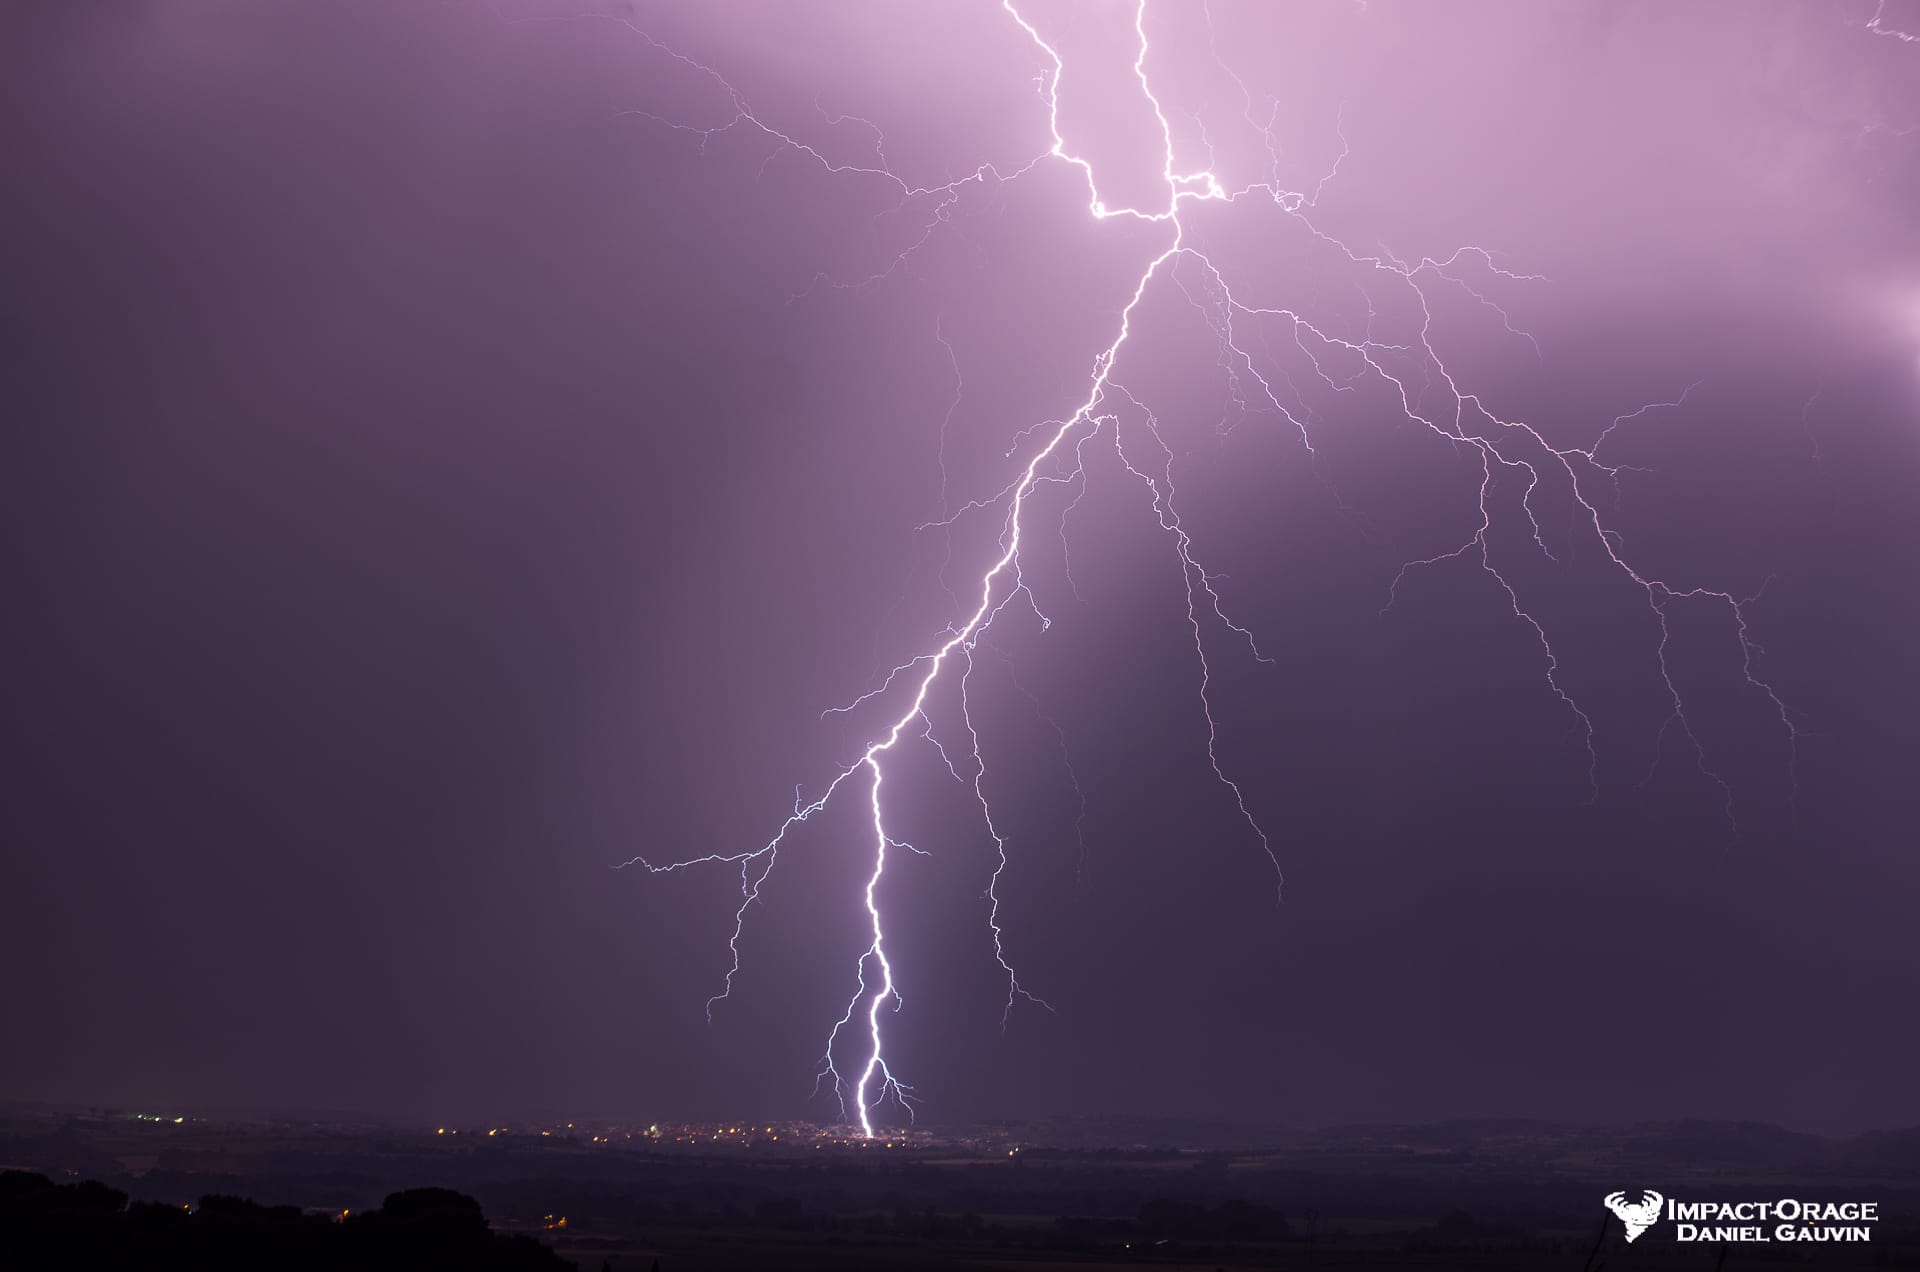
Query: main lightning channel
point(1500, 445)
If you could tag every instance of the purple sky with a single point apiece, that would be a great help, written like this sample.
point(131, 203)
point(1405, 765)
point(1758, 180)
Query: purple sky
point(435, 476)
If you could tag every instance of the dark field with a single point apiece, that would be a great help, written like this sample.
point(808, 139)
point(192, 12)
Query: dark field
point(1079, 1194)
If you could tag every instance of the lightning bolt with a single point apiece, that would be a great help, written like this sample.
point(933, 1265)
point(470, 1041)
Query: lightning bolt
point(1879, 26)
point(1108, 414)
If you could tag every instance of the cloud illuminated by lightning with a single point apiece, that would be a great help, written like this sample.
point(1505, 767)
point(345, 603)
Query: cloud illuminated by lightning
point(1108, 414)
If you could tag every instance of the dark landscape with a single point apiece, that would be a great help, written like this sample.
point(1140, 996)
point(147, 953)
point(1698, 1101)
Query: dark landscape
point(1081, 1193)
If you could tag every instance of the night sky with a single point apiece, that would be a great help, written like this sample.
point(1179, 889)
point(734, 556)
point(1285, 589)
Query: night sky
point(438, 469)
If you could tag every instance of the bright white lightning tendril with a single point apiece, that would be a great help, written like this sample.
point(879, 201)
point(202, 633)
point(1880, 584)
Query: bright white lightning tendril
point(1502, 446)
point(1879, 26)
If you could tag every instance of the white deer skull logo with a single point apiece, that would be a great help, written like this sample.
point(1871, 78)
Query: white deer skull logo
point(1638, 1218)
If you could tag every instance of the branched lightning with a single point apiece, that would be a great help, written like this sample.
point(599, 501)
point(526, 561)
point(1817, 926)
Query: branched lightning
point(1879, 26)
point(1242, 320)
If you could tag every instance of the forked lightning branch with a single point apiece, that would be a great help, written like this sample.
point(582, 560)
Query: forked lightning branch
point(1278, 360)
